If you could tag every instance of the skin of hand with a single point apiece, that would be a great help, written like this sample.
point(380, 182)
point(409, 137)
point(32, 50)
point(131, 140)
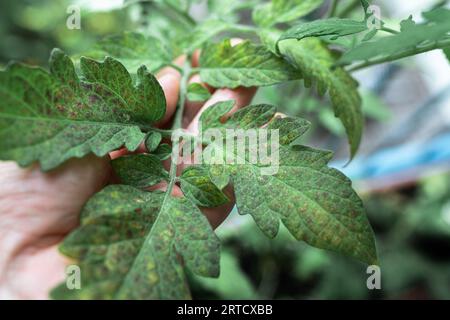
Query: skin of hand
point(37, 209)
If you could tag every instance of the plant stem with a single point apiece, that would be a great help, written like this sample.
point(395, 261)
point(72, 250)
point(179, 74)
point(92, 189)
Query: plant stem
point(177, 122)
point(333, 8)
point(182, 14)
point(173, 170)
point(176, 67)
point(242, 28)
point(385, 29)
point(432, 46)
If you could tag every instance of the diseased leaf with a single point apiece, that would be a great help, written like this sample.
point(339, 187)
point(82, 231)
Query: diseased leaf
point(333, 28)
point(153, 140)
point(282, 11)
point(145, 99)
point(246, 118)
point(414, 38)
point(369, 35)
point(197, 92)
point(134, 244)
point(211, 117)
point(141, 170)
point(133, 50)
point(51, 117)
point(163, 152)
point(316, 203)
point(245, 64)
point(315, 62)
point(197, 186)
point(269, 37)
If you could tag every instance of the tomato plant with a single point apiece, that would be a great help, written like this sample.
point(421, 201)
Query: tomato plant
point(135, 243)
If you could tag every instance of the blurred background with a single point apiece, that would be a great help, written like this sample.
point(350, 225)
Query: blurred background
point(402, 171)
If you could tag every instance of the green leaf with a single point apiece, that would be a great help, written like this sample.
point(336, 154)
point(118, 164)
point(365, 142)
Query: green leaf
point(198, 187)
point(245, 64)
point(315, 61)
point(197, 93)
point(134, 244)
point(269, 37)
point(201, 34)
point(413, 39)
point(282, 11)
point(247, 118)
point(54, 116)
point(153, 140)
point(133, 50)
point(163, 152)
point(333, 28)
point(141, 170)
point(316, 203)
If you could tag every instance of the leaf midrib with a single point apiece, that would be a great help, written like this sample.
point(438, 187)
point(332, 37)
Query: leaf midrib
point(74, 121)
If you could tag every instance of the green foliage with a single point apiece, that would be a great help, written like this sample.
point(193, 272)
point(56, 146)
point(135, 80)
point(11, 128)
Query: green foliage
point(245, 64)
point(130, 244)
point(412, 239)
point(197, 185)
point(315, 203)
point(142, 170)
point(133, 50)
point(333, 28)
point(133, 243)
point(314, 61)
point(153, 140)
point(56, 116)
point(412, 39)
point(282, 11)
point(197, 92)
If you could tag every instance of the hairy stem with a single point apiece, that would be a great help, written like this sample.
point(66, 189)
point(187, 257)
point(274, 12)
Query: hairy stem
point(180, 13)
point(242, 28)
point(173, 170)
point(385, 29)
point(414, 51)
point(177, 122)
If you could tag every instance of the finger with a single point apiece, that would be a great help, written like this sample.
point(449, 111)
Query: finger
point(169, 79)
point(193, 107)
point(242, 97)
point(196, 58)
point(216, 216)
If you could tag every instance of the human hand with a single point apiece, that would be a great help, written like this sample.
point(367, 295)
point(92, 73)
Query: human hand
point(37, 209)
